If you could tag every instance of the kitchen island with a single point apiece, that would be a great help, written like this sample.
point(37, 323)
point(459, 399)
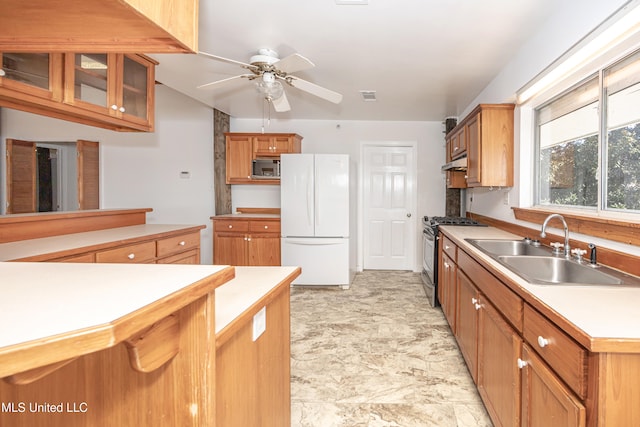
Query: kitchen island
point(120, 344)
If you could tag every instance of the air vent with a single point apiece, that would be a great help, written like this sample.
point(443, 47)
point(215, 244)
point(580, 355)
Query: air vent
point(368, 95)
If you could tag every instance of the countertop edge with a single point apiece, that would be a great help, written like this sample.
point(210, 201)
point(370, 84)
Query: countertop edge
point(53, 349)
point(227, 328)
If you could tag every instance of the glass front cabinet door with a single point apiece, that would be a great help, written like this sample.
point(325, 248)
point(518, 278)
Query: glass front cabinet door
point(32, 74)
point(117, 85)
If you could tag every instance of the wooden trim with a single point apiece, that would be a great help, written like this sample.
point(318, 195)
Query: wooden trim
point(609, 257)
point(32, 226)
point(607, 228)
point(270, 211)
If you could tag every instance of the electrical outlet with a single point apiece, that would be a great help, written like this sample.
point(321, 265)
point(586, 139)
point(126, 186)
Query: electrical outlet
point(259, 323)
point(505, 200)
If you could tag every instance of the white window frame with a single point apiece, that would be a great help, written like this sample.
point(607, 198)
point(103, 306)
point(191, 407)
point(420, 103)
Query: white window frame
point(527, 137)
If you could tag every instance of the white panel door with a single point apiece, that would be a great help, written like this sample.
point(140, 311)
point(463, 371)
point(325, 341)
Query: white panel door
point(388, 202)
point(296, 195)
point(331, 195)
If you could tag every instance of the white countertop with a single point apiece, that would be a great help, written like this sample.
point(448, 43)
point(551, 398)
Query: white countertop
point(601, 312)
point(48, 245)
point(41, 300)
point(249, 286)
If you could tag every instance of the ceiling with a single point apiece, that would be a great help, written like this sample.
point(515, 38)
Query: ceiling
point(426, 59)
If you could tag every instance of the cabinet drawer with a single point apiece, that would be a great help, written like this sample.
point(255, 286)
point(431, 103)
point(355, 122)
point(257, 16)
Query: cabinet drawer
point(231, 225)
point(566, 357)
point(84, 258)
point(138, 253)
point(450, 248)
point(264, 226)
point(505, 300)
point(178, 244)
point(189, 257)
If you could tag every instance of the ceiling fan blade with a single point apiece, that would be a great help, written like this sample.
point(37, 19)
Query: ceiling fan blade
point(224, 81)
point(314, 89)
point(293, 63)
point(229, 61)
point(281, 104)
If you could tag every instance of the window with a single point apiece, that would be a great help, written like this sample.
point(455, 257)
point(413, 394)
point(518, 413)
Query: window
point(588, 143)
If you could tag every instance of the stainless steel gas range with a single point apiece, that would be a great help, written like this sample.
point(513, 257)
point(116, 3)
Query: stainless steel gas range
point(430, 250)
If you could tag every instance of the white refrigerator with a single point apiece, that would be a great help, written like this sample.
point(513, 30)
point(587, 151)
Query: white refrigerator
point(318, 217)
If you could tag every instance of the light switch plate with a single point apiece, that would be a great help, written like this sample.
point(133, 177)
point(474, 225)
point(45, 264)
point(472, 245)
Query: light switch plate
point(259, 323)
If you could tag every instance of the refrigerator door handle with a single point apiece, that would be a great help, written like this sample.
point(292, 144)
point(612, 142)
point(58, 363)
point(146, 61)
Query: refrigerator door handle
point(309, 197)
point(316, 195)
point(306, 243)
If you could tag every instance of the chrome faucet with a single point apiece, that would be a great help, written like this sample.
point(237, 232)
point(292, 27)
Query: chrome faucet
point(567, 249)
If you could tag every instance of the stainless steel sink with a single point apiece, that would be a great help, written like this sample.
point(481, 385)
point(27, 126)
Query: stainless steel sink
point(545, 270)
point(499, 247)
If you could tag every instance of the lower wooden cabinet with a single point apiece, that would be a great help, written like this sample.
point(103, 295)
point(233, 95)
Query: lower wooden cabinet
point(498, 373)
point(546, 401)
point(467, 323)
point(448, 290)
point(253, 375)
point(180, 248)
point(250, 242)
point(529, 372)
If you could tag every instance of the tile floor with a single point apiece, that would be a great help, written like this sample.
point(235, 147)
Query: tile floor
point(377, 355)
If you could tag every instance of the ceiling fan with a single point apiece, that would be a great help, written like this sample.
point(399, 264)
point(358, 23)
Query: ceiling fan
point(268, 70)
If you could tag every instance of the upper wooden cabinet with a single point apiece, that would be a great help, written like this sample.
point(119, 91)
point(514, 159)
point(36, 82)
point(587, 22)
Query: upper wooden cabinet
point(132, 26)
point(114, 85)
point(274, 145)
point(244, 148)
point(490, 146)
point(456, 144)
point(108, 90)
point(486, 137)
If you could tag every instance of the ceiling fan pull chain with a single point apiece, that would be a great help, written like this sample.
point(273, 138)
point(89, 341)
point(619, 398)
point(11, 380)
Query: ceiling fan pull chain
point(263, 116)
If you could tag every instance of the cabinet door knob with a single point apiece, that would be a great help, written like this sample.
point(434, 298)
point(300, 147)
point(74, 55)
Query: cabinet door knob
point(182, 243)
point(521, 363)
point(249, 239)
point(122, 110)
point(230, 226)
point(114, 107)
point(446, 247)
point(446, 265)
point(477, 306)
point(543, 342)
point(131, 256)
point(474, 300)
point(266, 227)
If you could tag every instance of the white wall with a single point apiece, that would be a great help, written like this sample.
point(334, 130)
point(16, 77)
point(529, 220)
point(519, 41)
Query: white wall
point(572, 21)
point(142, 170)
point(345, 137)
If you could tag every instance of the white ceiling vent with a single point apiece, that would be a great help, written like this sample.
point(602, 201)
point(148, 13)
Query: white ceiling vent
point(368, 95)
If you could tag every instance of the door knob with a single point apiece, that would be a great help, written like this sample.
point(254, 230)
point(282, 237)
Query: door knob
point(408, 215)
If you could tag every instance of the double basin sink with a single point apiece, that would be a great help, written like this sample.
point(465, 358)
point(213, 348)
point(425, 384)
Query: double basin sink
point(538, 265)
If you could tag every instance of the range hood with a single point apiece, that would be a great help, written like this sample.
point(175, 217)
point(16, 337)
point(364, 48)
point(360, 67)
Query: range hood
point(456, 165)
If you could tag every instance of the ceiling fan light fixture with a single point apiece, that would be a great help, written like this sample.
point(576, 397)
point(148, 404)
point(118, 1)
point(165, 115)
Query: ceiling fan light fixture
point(269, 87)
